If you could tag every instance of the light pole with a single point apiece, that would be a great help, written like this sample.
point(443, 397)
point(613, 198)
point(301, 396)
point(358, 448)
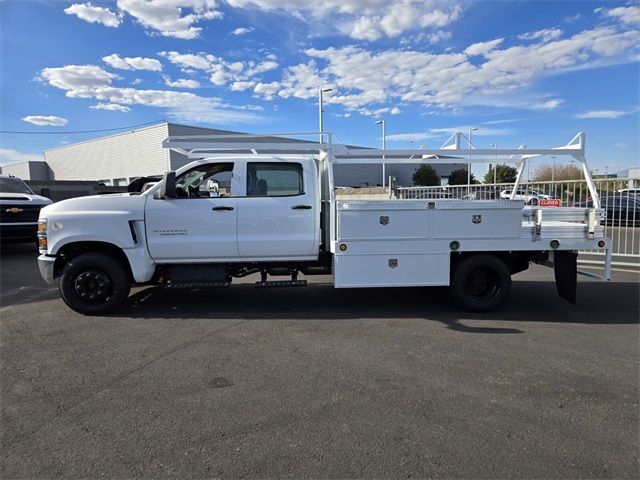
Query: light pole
point(495, 164)
point(471, 129)
point(553, 169)
point(384, 146)
point(321, 109)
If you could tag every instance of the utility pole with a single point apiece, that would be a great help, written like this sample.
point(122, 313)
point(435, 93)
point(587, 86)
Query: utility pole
point(321, 110)
point(471, 129)
point(384, 146)
point(495, 164)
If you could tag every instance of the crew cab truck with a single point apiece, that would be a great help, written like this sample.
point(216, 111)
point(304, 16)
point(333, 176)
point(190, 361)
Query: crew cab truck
point(252, 204)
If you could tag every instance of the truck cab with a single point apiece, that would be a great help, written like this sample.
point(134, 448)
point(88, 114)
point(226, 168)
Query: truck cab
point(211, 220)
point(264, 209)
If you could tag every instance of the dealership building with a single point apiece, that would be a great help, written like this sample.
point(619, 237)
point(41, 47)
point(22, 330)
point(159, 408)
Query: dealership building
point(118, 159)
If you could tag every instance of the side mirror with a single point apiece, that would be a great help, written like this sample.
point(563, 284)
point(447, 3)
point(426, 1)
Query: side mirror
point(168, 189)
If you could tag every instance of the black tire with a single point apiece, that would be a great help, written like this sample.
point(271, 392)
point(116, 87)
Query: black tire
point(480, 283)
point(94, 283)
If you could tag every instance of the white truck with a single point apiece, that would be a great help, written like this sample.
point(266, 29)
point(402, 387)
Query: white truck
point(258, 204)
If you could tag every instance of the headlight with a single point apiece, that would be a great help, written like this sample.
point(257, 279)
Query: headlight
point(42, 235)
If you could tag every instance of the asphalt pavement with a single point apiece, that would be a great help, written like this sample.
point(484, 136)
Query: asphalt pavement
point(319, 383)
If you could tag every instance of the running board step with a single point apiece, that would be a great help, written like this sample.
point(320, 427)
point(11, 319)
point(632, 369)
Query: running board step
point(281, 283)
point(196, 284)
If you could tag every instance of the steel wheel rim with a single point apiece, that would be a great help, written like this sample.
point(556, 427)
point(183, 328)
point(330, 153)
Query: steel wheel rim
point(481, 283)
point(93, 286)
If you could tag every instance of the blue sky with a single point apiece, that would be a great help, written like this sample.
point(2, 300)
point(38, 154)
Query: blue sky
point(529, 72)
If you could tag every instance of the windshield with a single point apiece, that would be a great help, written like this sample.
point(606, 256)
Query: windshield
point(14, 185)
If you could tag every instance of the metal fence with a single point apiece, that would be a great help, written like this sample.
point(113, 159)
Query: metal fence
point(622, 206)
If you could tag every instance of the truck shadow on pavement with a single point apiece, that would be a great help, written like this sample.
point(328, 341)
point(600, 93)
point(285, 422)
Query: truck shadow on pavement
point(612, 303)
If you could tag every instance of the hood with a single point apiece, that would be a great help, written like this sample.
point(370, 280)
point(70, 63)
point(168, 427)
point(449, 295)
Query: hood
point(116, 203)
point(23, 197)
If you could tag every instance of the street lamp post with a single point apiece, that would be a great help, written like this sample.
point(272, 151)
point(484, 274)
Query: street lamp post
point(469, 165)
point(495, 164)
point(384, 146)
point(320, 110)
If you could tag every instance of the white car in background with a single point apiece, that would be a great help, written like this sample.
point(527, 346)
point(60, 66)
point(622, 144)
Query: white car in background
point(530, 196)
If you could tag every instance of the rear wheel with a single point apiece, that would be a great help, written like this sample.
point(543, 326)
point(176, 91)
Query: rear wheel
point(480, 283)
point(94, 283)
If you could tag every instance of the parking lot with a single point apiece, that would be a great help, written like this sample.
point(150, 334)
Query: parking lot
point(317, 382)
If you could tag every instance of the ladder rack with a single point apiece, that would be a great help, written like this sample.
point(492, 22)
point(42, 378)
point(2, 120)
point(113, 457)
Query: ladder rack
point(277, 144)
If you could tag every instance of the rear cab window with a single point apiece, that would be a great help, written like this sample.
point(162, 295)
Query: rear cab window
point(274, 179)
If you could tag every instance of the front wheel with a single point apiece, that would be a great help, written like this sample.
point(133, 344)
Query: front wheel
point(94, 283)
point(480, 283)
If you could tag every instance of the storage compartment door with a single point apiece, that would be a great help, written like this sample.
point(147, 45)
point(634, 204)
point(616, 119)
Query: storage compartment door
point(390, 270)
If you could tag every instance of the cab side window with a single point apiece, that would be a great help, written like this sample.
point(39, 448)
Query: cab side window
point(277, 179)
point(206, 181)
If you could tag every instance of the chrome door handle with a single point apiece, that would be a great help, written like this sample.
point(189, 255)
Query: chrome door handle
point(301, 207)
point(217, 209)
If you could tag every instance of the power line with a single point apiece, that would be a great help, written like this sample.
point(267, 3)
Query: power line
point(19, 132)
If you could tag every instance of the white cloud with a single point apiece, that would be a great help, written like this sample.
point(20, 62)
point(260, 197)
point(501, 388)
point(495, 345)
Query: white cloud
point(602, 114)
point(482, 48)
point(114, 107)
point(241, 86)
point(9, 156)
point(365, 19)
point(169, 18)
point(221, 72)
point(46, 120)
point(547, 105)
point(546, 35)
point(267, 90)
point(395, 111)
point(241, 31)
point(254, 69)
point(629, 15)
point(136, 63)
point(91, 82)
point(181, 83)
point(443, 133)
point(500, 122)
point(92, 14)
point(200, 61)
point(482, 74)
point(439, 36)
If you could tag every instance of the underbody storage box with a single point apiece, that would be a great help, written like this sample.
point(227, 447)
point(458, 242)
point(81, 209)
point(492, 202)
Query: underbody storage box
point(391, 270)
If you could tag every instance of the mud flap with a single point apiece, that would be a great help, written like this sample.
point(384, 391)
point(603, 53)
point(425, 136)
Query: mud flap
point(566, 273)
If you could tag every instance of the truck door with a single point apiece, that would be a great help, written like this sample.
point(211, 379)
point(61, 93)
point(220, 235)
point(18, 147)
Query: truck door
point(278, 217)
point(200, 224)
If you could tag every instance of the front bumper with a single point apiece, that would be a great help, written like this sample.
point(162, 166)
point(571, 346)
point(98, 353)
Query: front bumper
point(45, 264)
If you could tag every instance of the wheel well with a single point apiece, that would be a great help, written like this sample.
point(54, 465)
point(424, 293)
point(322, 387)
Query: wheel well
point(72, 250)
point(515, 261)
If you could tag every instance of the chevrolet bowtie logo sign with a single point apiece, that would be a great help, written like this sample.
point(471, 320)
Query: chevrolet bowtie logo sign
point(14, 210)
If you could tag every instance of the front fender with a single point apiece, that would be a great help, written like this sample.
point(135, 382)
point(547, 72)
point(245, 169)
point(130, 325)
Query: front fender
point(94, 227)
